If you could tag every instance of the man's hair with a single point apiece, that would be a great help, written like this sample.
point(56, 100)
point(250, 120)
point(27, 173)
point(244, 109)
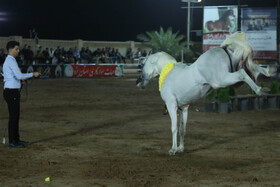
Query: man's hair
point(11, 45)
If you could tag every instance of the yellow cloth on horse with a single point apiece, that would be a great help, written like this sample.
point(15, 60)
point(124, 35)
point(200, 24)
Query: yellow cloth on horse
point(166, 69)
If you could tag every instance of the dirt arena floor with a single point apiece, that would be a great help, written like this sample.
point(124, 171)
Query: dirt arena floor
point(105, 132)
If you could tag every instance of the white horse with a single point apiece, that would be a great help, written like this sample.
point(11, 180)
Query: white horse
point(217, 68)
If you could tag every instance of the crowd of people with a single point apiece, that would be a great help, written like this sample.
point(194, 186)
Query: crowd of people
point(73, 55)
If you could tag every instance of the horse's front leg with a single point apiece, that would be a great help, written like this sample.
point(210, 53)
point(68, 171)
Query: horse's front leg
point(269, 71)
point(172, 110)
point(238, 76)
point(183, 123)
point(245, 77)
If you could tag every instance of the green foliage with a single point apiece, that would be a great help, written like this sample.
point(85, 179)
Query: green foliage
point(252, 92)
point(274, 87)
point(231, 91)
point(189, 56)
point(223, 95)
point(169, 42)
point(211, 95)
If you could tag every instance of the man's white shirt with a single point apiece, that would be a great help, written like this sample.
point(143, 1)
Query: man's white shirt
point(12, 74)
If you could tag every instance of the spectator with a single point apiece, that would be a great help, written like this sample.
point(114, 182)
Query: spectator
point(112, 56)
point(30, 55)
point(58, 55)
point(97, 55)
point(137, 55)
point(63, 53)
point(119, 57)
point(46, 56)
point(88, 51)
point(24, 53)
point(35, 36)
point(2, 56)
point(144, 54)
point(39, 57)
point(85, 55)
point(76, 55)
point(51, 54)
point(129, 53)
point(70, 56)
point(104, 54)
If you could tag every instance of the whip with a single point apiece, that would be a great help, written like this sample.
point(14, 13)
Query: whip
point(27, 83)
point(4, 136)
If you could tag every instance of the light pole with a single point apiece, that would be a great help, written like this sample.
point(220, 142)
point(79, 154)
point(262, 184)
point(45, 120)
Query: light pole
point(189, 18)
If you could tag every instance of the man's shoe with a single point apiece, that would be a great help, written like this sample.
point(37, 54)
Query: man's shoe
point(15, 145)
point(24, 143)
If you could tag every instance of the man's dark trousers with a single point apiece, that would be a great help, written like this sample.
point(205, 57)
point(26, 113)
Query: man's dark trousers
point(12, 97)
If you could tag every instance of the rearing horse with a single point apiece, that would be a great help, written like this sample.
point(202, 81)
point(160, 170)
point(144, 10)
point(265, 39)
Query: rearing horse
point(217, 68)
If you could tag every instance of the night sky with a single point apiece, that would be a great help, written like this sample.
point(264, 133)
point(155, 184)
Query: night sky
point(103, 20)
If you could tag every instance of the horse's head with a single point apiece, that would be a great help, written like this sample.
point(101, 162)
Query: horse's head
point(209, 25)
point(242, 56)
point(226, 15)
point(229, 13)
point(149, 66)
point(152, 66)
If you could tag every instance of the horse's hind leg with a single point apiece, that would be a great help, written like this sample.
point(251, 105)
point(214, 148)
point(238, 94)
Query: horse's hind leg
point(183, 123)
point(172, 109)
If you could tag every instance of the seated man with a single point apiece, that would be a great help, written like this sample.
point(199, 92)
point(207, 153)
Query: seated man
point(76, 55)
point(137, 55)
point(119, 57)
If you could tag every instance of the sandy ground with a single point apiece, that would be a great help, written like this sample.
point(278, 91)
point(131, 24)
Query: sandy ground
point(105, 132)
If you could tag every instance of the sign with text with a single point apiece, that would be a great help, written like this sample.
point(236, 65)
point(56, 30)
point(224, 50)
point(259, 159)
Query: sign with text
point(79, 70)
point(260, 26)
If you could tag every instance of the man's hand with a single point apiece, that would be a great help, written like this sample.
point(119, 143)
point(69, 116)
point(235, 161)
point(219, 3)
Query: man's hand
point(36, 74)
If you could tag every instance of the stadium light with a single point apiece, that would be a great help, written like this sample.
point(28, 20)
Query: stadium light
point(189, 18)
point(192, 1)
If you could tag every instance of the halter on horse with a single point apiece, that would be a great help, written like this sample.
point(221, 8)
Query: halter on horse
point(186, 84)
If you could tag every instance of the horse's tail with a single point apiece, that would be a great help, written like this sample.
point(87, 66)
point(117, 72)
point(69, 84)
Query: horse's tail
point(241, 47)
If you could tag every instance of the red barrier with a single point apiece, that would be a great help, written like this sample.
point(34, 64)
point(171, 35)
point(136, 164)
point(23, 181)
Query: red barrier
point(93, 70)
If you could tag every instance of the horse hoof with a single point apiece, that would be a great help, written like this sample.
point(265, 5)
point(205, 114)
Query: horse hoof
point(171, 152)
point(181, 149)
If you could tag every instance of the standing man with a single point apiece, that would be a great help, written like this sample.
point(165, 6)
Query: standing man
point(12, 83)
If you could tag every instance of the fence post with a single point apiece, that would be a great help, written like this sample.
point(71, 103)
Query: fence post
point(80, 44)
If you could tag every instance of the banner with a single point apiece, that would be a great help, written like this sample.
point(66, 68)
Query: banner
point(218, 22)
point(260, 26)
point(93, 70)
point(70, 70)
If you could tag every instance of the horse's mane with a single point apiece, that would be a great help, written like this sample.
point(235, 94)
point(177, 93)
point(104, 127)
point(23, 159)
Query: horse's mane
point(242, 50)
point(168, 55)
point(240, 46)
